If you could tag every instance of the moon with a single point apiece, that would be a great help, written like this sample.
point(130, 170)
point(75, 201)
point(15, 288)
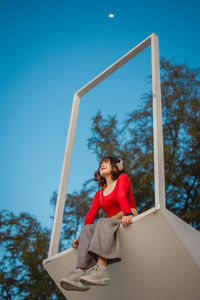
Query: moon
point(110, 16)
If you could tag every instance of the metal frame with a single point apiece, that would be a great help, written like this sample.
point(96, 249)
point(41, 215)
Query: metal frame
point(159, 180)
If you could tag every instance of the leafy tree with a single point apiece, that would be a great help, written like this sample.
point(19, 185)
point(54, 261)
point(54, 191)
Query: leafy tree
point(181, 117)
point(181, 130)
point(24, 245)
point(134, 144)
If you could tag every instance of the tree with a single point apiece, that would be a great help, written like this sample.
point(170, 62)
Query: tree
point(181, 128)
point(24, 245)
point(134, 144)
point(181, 117)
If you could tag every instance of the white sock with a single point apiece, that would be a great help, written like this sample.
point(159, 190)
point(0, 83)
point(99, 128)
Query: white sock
point(80, 270)
point(102, 268)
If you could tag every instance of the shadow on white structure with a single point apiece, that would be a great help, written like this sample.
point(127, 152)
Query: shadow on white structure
point(160, 252)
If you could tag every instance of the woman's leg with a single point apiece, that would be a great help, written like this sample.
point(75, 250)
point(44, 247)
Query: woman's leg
point(84, 260)
point(72, 280)
point(89, 231)
point(102, 261)
point(104, 244)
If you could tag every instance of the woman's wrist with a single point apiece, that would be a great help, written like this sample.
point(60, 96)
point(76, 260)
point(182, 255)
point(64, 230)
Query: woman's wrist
point(129, 214)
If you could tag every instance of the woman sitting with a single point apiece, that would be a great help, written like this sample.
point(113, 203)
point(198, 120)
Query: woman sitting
point(98, 244)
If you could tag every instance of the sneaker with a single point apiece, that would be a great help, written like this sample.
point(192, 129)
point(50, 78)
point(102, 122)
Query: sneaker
point(96, 276)
point(72, 282)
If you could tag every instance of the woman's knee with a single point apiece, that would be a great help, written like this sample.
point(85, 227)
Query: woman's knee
point(109, 221)
point(103, 221)
point(89, 228)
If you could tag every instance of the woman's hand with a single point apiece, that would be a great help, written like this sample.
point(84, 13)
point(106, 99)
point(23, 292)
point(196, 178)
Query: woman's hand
point(126, 220)
point(75, 243)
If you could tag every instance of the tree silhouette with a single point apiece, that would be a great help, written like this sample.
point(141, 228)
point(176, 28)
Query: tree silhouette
point(24, 245)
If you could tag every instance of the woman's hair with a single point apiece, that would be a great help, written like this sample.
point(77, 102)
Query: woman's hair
point(117, 169)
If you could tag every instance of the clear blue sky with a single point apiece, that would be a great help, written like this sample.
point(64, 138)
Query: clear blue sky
point(49, 50)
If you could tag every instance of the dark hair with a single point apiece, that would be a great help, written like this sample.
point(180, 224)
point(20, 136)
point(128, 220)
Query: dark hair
point(114, 173)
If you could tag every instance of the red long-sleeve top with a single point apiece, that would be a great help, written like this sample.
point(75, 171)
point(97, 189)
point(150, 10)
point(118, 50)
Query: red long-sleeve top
point(120, 199)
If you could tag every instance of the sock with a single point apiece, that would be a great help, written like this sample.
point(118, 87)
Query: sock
point(102, 268)
point(80, 270)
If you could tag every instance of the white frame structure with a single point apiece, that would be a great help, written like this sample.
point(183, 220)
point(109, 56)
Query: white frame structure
point(159, 179)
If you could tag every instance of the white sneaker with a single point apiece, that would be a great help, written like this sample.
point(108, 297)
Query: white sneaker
point(72, 282)
point(96, 276)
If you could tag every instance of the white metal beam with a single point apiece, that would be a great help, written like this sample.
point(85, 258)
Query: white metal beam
point(114, 67)
point(159, 177)
point(57, 224)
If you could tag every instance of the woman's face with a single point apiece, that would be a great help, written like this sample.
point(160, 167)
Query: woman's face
point(105, 168)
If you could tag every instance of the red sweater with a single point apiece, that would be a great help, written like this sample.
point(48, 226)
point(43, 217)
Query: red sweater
point(120, 199)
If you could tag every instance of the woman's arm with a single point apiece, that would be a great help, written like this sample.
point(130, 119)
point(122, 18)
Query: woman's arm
point(94, 209)
point(120, 214)
point(124, 186)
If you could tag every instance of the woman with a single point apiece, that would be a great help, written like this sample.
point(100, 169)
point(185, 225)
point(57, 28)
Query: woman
point(98, 243)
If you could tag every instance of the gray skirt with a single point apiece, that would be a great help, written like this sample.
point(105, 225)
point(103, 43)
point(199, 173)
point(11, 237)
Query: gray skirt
point(96, 240)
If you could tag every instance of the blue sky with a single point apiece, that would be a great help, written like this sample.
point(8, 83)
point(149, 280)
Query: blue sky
point(49, 50)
